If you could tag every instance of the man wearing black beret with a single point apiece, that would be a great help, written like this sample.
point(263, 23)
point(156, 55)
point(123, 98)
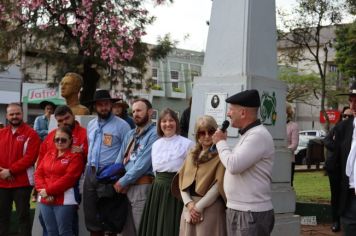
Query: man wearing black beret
point(247, 181)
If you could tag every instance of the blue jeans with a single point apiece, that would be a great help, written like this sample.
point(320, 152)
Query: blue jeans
point(58, 219)
point(40, 218)
point(75, 224)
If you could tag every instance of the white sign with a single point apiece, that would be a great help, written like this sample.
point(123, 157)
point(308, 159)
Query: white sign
point(308, 220)
point(215, 106)
point(42, 94)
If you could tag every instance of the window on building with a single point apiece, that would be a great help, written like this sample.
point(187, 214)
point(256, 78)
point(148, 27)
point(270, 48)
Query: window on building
point(332, 68)
point(175, 78)
point(154, 76)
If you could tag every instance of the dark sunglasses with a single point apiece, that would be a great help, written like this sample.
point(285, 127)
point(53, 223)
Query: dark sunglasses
point(345, 116)
point(60, 140)
point(209, 132)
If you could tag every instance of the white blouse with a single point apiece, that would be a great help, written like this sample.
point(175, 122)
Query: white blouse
point(168, 154)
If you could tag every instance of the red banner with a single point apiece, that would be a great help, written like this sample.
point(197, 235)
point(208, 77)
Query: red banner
point(334, 116)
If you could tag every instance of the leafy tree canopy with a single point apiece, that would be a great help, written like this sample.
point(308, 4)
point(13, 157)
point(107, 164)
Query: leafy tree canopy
point(305, 39)
point(346, 49)
point(90, 33)
point(352, 6)
point(300, 87)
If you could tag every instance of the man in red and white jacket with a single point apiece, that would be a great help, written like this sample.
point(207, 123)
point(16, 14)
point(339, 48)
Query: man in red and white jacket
point(19, 145)
point(65, 117)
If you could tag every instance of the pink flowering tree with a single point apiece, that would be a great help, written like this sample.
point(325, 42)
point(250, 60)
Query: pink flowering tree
point(89, 34)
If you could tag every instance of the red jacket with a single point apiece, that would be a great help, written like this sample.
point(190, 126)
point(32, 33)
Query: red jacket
point(58, 175)
point(18, 153)
point(79, 139)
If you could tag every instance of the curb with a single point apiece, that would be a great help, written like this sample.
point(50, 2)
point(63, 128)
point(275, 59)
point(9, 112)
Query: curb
point(321, 211)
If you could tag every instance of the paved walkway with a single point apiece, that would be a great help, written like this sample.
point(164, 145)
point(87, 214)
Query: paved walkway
point(320, 230)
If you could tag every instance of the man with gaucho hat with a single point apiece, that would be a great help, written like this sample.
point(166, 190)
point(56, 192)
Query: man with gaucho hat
point(42, 121)
point(105, 135)
point(344, 148)
point(247, 180)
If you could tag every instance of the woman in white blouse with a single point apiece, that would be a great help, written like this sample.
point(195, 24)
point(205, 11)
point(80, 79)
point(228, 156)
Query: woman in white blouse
point(162, 211)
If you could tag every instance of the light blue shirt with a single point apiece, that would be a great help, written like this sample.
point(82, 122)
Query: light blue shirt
point(105, 139)
point(140, 162)
point(41, 126)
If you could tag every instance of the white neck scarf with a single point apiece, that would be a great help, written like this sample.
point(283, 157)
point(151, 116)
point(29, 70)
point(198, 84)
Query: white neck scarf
point(350, 164)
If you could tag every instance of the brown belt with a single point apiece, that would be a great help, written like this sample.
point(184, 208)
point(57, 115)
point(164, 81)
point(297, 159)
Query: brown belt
point(146, 179)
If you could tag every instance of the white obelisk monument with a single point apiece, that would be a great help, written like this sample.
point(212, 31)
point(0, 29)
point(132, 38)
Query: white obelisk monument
point(241, 54)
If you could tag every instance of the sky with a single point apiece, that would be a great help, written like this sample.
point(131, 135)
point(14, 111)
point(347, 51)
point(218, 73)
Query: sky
point(185, 21)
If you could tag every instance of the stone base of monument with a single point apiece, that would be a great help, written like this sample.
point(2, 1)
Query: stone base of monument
point(286, 224)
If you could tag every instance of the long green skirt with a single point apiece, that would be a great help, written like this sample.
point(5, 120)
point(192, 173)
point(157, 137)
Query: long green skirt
point(162, 212)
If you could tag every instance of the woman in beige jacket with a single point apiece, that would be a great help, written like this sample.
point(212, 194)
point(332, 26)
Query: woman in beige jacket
point(201, 185)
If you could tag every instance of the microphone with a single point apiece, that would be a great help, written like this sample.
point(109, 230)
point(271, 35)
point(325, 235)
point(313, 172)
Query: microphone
point(223, 128)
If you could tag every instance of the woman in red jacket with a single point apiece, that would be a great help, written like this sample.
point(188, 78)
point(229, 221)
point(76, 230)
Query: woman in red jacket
point(55, 178)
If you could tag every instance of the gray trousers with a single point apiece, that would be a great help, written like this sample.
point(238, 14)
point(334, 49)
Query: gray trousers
point(137, 195)
point(247, 223)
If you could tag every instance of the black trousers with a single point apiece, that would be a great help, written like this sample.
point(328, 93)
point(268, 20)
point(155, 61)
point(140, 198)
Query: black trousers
point(348, 218)
point(90, 199)
point(292, 170)
point(335, 183)
point(21, 197)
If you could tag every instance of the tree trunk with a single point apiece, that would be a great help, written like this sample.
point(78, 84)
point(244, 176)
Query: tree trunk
point(90, 81)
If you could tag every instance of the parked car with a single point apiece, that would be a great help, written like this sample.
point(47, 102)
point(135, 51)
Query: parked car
point(315, 133)
point(301, 151)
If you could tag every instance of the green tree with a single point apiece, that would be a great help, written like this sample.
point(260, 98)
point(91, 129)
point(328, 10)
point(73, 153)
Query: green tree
point(346, 49)
point(85, 36)
point(304, 34)
point(300, 87)
point(352, 6)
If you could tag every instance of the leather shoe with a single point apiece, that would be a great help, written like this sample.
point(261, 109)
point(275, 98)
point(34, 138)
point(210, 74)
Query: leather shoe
point(335, 227)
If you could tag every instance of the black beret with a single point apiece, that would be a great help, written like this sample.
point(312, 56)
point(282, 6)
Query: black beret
point(247, 98)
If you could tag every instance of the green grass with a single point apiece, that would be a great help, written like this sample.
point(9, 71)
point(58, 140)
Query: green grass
point(312, 187)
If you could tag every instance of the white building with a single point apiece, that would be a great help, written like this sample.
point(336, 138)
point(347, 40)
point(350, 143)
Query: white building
point(308, 115)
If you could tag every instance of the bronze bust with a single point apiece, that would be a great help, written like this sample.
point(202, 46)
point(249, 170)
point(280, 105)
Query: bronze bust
point(70, 86)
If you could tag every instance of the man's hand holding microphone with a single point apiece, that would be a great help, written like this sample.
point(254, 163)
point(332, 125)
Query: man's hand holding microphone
point(220, 134)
